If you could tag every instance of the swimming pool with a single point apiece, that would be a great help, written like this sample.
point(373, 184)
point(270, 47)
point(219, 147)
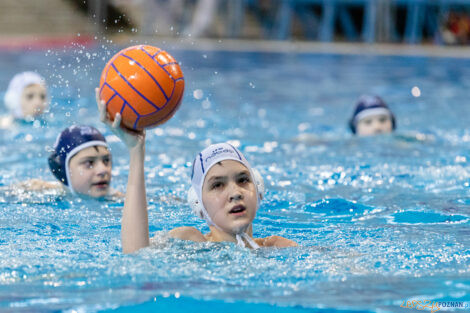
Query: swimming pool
point(379, 220)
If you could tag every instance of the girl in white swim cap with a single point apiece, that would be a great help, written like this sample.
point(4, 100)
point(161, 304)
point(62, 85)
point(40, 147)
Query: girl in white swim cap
point(26, 96)
point(225, 192)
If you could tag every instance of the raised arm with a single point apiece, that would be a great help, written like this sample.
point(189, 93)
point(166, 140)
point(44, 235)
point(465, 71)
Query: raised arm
point(134, 224)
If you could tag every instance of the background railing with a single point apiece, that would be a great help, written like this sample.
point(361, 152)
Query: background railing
point(410, 21)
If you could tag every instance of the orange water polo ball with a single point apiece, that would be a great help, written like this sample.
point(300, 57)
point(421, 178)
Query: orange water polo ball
point(143, 83)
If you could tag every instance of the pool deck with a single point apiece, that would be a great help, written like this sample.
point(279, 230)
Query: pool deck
point(202, 44)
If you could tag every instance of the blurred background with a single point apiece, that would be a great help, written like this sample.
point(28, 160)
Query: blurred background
point(436, 22)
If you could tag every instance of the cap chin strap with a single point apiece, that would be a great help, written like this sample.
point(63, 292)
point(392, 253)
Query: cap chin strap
point(248, 239)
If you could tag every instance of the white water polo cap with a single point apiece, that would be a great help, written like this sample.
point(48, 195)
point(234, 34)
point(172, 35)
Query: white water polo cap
point(202, 164)
point(15, 89)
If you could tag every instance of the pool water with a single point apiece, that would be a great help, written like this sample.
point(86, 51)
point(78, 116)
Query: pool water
point(379, 220)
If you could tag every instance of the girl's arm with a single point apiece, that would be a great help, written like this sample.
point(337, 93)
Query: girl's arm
point(134, 225)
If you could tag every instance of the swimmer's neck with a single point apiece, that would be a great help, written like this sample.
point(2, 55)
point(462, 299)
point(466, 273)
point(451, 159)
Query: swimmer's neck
point(217, 235)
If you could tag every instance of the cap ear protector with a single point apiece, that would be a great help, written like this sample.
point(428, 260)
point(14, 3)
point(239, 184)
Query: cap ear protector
point(259, 182)
point(352, 125)
point(56, 168)
point(392, 117)
point(194, 203)
point(198, 208)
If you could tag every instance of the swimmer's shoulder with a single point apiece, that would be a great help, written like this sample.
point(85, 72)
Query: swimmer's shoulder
point(275, 241)
point(193, 234)
point(187, 233)
point(39, 185)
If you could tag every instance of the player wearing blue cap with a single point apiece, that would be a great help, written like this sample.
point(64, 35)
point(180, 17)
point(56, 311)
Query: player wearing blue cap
point(225, 191)
point(82, 163)
point(372, 116)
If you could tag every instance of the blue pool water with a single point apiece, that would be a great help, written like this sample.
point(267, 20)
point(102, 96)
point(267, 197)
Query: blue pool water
point(379, 220)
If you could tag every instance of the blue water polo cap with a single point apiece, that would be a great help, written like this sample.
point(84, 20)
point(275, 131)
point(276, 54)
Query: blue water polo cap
point(68, 143)
point(369, 105)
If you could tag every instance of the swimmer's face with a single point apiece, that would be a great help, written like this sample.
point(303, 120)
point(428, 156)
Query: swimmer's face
point(34, 100)
point(374, 125)
point(229, 196)
point(90, 171)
